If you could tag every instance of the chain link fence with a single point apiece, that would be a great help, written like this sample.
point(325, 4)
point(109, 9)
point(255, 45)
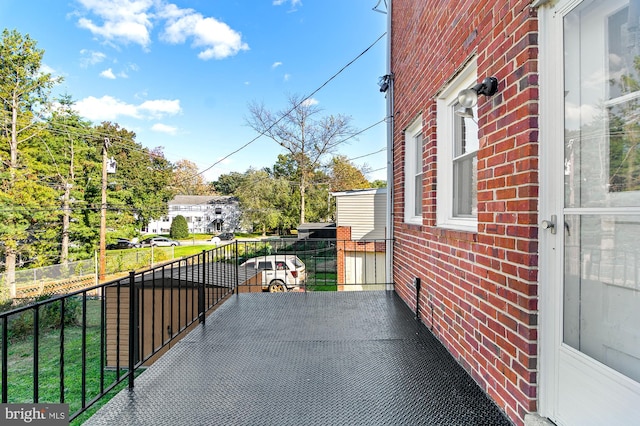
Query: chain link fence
point(63, 278)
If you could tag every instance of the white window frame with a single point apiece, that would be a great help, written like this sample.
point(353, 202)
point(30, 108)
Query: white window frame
point(445, 145)
point(412, 171)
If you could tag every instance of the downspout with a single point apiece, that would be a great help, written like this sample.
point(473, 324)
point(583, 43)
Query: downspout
point(390, 120)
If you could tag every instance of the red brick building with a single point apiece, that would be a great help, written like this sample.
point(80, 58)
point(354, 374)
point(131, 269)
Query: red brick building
point(516, 205)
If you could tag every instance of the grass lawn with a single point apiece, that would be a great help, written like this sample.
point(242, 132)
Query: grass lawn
point(20, 363)
point(322, 281)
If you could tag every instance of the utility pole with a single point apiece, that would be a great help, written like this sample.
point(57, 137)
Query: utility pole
point(102, 263)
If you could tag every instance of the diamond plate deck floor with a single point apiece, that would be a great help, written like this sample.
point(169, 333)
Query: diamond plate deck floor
point(325, 358)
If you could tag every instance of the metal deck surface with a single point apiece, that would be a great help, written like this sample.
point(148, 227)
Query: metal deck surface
point(324, 358)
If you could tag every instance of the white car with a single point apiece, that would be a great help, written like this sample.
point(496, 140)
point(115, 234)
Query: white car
point(159, 242)
point(279, 272)
point(225, 236)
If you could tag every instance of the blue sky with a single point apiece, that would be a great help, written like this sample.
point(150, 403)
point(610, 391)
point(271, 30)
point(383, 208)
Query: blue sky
point(181, 73)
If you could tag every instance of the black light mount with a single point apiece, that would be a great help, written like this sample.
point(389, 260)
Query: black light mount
point(383, 82)
point(469, 97)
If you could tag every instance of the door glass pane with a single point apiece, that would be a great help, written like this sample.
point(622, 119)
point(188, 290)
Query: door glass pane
point(602, 105)
point(602, 170)
point(602, 290)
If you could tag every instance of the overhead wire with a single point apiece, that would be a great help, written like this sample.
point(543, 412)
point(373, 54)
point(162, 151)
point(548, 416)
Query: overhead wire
point(292, 108)
point(120, 141)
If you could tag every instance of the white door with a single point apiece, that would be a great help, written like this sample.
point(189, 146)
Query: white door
point(590, 212)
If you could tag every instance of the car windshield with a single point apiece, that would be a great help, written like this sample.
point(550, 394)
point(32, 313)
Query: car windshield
point(297, 262)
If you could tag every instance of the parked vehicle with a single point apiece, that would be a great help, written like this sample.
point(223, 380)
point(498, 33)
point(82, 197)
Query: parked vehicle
point(279, 272)
point(121, 244)
point(225, 236)
point(159, 242)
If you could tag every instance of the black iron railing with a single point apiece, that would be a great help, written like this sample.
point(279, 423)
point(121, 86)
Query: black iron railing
point(78, 347)
point(104, 334)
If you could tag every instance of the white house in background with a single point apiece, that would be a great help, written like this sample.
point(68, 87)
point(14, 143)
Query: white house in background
point(360, 220)
point(205, 214)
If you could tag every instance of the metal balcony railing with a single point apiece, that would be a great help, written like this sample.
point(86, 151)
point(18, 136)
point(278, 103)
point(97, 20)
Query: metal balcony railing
point(78, 347)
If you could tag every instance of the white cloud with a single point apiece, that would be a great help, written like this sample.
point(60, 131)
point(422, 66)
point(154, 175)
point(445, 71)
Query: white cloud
point(105, 108)
point(163, 128)
point(286, 77)
point(131, 21)
point(126, 21)
point(216, 38)
point(110, 108)
point(161, 107)
point(46, 69)
point(108, 73)
point(310, 102)
point(294, 3)
point(276, 64)
point(89, 57)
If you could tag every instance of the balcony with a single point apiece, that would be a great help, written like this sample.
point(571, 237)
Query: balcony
point(249, 357)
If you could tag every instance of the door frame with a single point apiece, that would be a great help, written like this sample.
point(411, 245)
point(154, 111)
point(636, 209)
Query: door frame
point(551, 349)
point(550, 272)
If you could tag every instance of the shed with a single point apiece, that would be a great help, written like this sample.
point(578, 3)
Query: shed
point(364, 210)
point(322, 230)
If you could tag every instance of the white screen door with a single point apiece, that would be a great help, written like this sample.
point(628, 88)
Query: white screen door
point(590, 240)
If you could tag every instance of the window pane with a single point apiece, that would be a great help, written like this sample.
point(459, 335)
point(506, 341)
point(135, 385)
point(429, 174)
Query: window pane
point(417, 199)
point(465, 166)
point(465, 171)
point(418, 147)
point(418, 196)
point(466, 133)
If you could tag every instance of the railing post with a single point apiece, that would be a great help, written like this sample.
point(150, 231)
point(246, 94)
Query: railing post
point(5, 361)
point(36, 353)
point(237, 269)
point(201, 304)
point(133, 334)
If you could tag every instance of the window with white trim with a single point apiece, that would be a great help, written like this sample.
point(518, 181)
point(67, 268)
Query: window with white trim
point(413, 169)
point(457, 144)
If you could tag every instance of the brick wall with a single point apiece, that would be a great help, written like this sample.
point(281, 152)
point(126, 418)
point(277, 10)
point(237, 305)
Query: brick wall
point(346, 247)
point(343, 233)
point(478, 289)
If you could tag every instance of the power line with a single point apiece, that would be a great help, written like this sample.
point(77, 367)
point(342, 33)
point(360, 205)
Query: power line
point(368, 155)
point(292, 108)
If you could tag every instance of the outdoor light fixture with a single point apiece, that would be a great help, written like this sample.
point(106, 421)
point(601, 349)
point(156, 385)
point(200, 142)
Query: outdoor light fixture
point(468, 98)
point(464, 112)
point(383, 82)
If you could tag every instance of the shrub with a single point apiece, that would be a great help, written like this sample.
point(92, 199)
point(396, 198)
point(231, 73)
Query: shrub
point(179, 228)
point(50, 313)
point(21, 325)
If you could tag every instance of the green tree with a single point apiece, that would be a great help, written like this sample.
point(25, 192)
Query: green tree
point(306, 138)
point(187, 180)
point(139, 189)
point(63, 150)
point(379, 183)
point(345, 176)
point(318, 204)
point(259, 194)
point(27, 202)
point(227, 184)
point(179, 228)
